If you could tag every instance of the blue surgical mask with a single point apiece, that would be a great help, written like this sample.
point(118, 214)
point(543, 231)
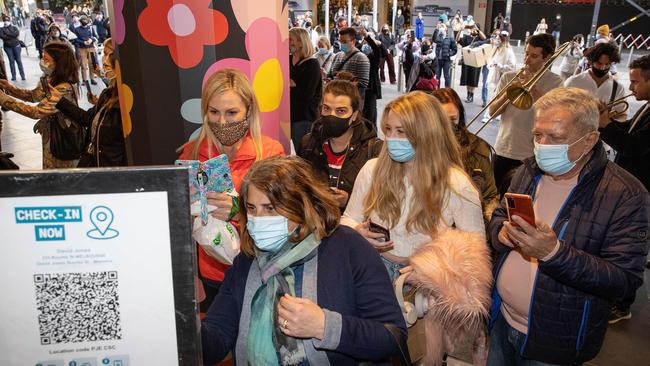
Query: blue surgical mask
point(344, 47)
point(400, 150)
point(554, 159)
point(366, 49)
point(268, 232)
point(322, 51)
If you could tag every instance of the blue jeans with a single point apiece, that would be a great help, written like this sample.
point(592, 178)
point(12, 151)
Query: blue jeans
point(505, 346)
point(442, 66)
point(392, 268)
point(13, 53)
point(555, 35)
point(484, 76)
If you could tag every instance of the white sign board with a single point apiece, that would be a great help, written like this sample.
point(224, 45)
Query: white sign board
point(86, 280)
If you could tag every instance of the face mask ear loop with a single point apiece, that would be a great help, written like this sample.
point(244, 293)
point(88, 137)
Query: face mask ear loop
point(584, 152)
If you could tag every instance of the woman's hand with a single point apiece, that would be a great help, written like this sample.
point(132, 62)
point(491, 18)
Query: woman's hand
point(300, 318)
point(223, 204)
point(364, 230)
point(292, 83)
point(92, 98)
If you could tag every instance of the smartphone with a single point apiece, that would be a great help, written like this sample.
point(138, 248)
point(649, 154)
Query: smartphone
point(375, 228)
point(209, 176)
point(520, 205)
point(45, 86)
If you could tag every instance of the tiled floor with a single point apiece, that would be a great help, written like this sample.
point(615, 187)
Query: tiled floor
point(626, 343)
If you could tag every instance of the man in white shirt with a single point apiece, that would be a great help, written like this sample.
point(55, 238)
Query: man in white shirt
point(597, 80)
point(515, 141)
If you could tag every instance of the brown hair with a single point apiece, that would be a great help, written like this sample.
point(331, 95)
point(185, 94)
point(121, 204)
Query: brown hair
point(66, 67)
point(341, 87)
point(544, 41)
point(295, 193)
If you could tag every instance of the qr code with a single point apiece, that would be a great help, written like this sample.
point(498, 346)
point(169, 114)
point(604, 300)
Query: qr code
point(77, 307)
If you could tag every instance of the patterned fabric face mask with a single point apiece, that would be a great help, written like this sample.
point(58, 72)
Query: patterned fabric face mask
point(229, 133)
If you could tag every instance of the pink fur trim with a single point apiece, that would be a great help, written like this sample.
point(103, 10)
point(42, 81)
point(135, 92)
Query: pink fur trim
point(455, 273)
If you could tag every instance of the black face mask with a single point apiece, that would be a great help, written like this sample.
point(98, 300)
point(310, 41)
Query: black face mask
point(598, 72)
point(334, 126)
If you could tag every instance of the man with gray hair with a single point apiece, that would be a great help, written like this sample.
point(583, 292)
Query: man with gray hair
point(557, 278)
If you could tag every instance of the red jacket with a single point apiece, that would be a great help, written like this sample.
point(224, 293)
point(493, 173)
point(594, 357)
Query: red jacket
point(209, 267)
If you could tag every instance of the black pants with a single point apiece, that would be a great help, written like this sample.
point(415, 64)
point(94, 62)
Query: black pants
point(502, 172)
point(370, 107)
point(391, 68)
point(38, 42)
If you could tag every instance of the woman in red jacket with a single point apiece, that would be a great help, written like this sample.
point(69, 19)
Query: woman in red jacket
point(231, 126)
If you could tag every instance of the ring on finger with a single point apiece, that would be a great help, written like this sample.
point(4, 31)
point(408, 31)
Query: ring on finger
point(285, 324)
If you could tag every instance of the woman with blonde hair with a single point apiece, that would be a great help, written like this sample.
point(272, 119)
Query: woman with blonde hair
point(231, 126)
point(304, 290)
point(416, 187)
point(306, 84)
point(324, 55)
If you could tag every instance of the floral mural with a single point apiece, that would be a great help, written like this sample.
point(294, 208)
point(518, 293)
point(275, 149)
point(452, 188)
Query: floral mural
point(168, 48)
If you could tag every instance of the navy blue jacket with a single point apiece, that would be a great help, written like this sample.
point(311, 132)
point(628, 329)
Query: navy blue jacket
point(445, 47)
point(603, 231)
point(352, 281)
point(83, 34)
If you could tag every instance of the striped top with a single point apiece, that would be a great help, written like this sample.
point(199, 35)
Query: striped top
point(358, 65)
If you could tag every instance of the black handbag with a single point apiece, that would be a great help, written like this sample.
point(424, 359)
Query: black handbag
point(66, 142)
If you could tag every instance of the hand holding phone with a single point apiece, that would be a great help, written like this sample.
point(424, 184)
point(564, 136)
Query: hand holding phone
point(520, 205)
point(376, 228)
point(377, 235)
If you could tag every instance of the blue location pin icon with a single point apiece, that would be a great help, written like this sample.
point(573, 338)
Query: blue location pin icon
point(102, 217)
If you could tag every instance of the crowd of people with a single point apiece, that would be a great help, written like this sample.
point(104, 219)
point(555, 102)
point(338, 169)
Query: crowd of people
point(324, 235)
point(558, 280)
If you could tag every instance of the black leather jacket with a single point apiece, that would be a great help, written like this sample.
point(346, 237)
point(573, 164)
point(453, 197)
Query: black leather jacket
point(603, 229)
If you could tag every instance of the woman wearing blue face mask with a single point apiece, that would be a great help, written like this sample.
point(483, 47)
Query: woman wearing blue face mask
point(417, 186)
point(304, 291)
point(324, 55)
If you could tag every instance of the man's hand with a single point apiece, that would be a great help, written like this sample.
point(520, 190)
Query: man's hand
point(604, 119)
point(300, 318)
point(537, 242)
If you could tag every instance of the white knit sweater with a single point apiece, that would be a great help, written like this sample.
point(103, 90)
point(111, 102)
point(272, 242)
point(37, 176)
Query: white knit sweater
point(462, 210)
